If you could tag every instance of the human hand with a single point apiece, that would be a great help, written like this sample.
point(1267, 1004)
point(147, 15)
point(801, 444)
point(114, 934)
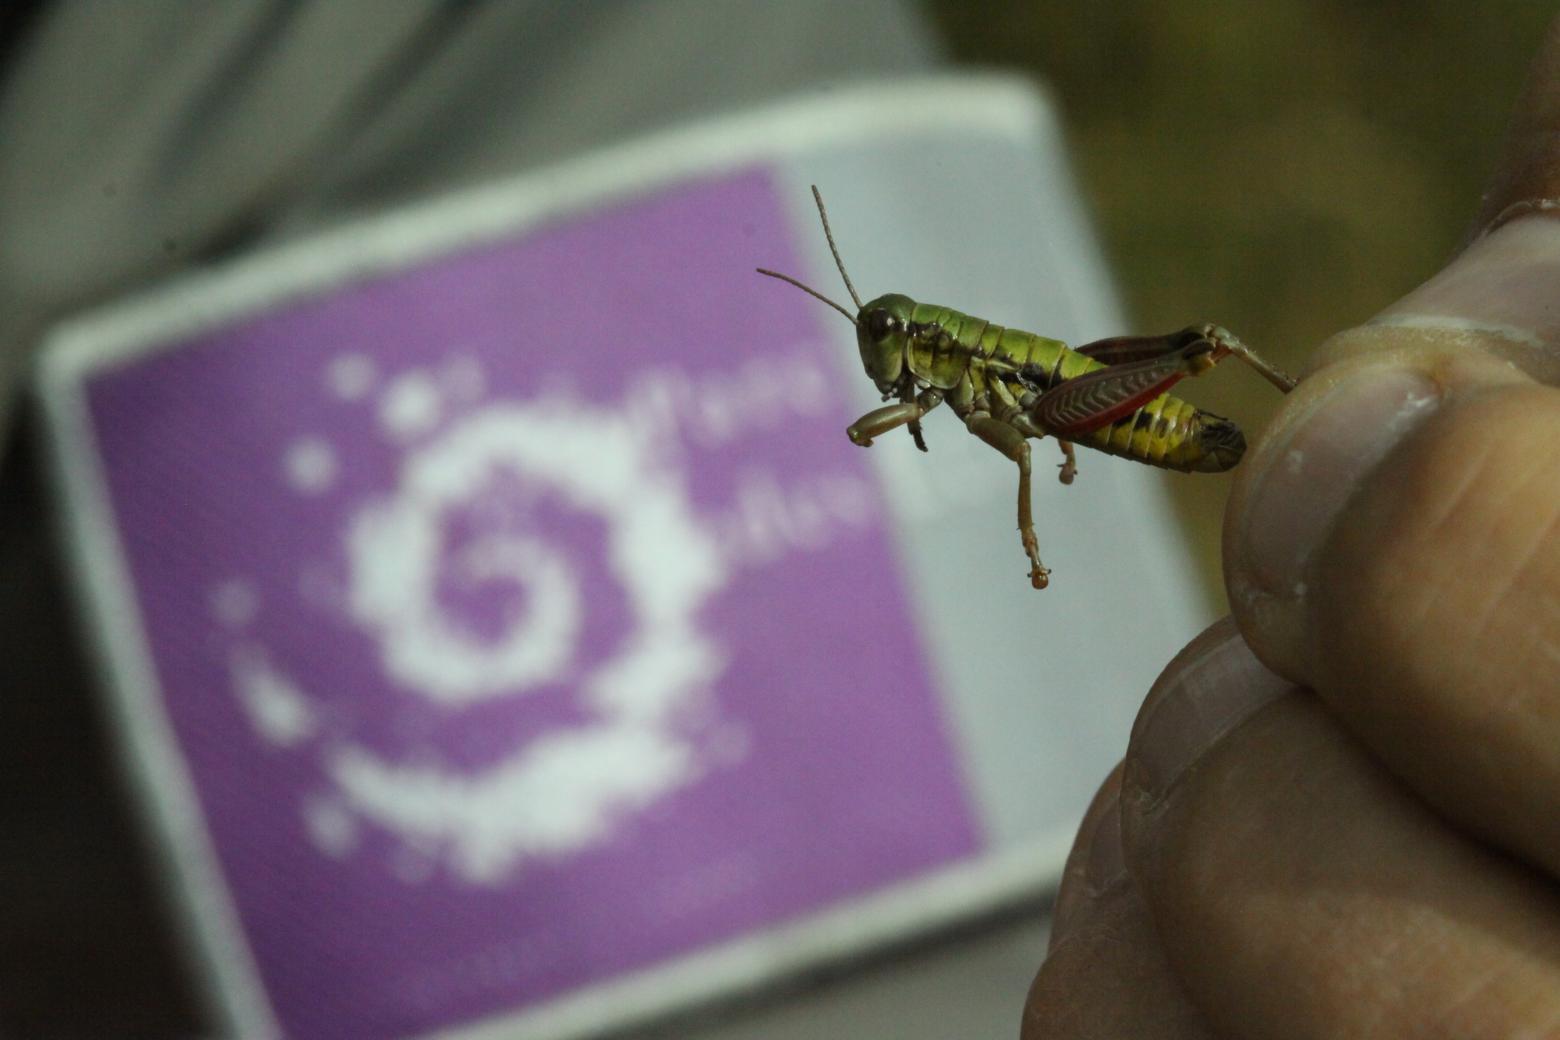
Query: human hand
point(1380, 857)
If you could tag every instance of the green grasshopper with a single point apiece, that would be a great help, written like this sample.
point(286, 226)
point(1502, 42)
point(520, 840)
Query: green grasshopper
point(1008, 386)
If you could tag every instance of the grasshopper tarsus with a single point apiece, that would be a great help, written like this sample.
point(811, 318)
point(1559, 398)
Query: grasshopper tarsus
point(1039, 574)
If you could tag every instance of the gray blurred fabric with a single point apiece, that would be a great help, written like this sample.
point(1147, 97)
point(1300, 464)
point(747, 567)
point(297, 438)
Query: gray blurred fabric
point(144, 137)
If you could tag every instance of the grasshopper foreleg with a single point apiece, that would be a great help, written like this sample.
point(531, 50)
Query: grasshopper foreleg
point(1026, 425)
point(880, 420)
point(1000, 420)
point(914, 425)
point(1007, 439)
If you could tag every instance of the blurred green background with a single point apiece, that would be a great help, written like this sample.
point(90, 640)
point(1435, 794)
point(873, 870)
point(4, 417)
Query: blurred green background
point(1283, 168)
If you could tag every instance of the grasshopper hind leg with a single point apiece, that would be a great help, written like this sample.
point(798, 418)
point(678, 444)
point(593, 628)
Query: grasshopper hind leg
point(1202, 345)
point(1226, 342)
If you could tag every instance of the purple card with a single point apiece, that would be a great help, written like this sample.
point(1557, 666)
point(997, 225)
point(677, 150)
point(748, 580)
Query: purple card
point(507, 615)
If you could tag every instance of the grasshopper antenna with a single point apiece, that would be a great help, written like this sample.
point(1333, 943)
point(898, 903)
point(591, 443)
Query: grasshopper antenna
point(827, 233)
point(809, 291)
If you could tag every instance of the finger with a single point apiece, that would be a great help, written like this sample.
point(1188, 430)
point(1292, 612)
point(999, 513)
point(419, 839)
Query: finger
point(1079, 879)
point(1109, 979)
point(1428, 616)
point(1301, 892)
point(1377, 389)
point(1106, 973)
point(1391, 544)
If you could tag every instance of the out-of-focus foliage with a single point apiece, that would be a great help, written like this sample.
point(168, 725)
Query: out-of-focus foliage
point(1285, 168)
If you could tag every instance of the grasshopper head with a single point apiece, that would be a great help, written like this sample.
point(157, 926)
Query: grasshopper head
point(882, 333)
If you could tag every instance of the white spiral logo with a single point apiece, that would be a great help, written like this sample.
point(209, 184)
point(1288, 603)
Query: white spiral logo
point(562, 791)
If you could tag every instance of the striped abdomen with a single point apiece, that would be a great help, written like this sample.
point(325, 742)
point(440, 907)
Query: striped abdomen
point(1166, 431)
point(1170, 433)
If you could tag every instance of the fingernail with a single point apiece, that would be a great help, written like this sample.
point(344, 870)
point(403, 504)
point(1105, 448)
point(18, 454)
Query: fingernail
point(1500, 292)
point(1105, 864)
point(1210, 688)
point(1523, 208)
point(1074, 893)
point(1107, 860)
point(1314, 465)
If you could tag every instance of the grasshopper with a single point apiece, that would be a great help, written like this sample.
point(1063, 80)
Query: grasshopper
point(1008, 386)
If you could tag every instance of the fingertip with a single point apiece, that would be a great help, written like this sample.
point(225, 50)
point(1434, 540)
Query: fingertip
point(1377, 387)
point(1297, 485)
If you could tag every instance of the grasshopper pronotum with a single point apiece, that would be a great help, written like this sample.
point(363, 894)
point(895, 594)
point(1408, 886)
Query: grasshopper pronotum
point(1008, 385)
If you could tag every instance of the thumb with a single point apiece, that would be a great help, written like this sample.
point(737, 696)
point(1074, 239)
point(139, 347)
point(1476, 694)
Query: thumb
point(1392, 542)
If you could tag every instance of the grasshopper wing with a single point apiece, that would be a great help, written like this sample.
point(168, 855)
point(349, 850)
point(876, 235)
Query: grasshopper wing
point(1085, 403)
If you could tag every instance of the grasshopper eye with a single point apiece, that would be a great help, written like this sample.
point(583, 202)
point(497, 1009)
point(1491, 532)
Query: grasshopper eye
point(879, 323)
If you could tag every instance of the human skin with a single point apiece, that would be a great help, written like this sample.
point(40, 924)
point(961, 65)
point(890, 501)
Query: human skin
point(1339, 814)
